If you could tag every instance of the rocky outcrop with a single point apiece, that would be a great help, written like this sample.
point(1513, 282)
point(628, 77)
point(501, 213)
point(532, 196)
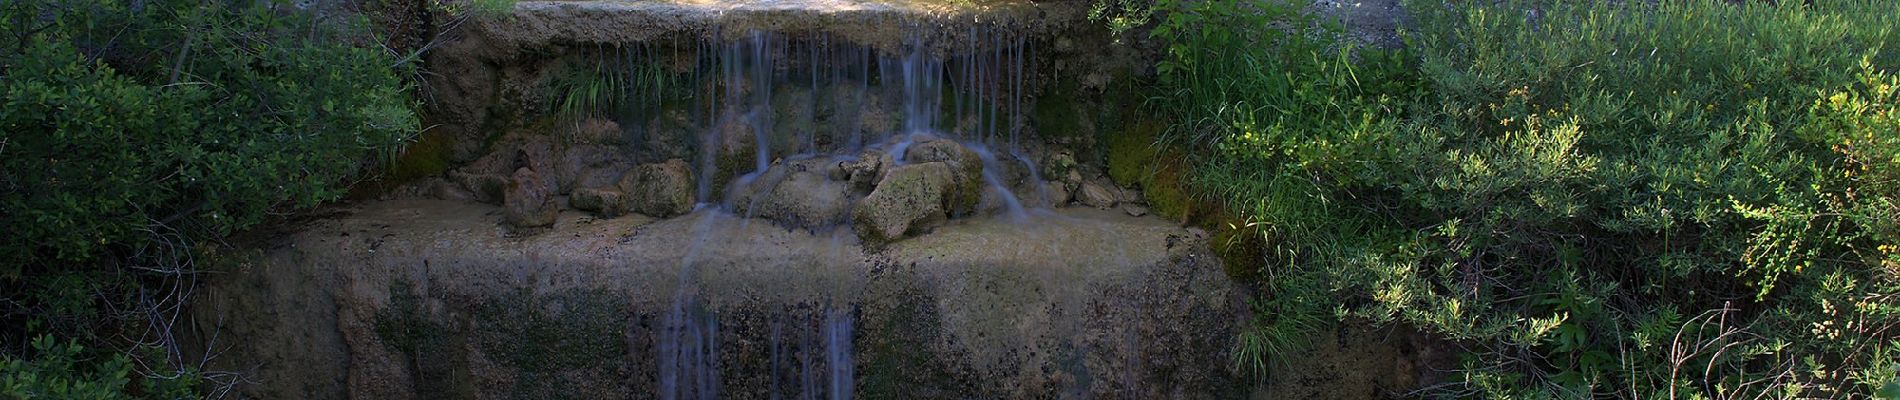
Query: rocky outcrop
point(659, 190)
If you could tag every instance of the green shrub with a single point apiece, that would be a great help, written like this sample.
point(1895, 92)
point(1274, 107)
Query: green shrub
point(133, 135)
point(1598, 197)
point(117, 141)
point(64, 371)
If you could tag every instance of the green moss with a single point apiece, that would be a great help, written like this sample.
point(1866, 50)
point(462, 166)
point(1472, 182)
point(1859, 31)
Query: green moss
point(897, 363)
point(1131, 152)
point(437, 357)
point(1241, 249)
point(431, 154)
point(1055, 115)
point(546, 337)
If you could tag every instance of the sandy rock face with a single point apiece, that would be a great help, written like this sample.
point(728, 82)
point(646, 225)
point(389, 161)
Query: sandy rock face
point(910, 198)
point(659, 190)
point(529, 203)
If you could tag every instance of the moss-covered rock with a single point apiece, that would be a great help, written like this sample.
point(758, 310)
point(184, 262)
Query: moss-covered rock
point(608, 203)
point(909, 199)
point(659, 190)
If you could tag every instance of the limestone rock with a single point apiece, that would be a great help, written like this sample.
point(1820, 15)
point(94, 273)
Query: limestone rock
point(805, 199)
point(966, 167)
point(863, 173)
point(529, 203)
point(659, 190)
point(486, 188)
point(930, 150)
point(607, 202)
point(1134, 210)
point(1095, 194)
point(909, 199)
point(1058, 193)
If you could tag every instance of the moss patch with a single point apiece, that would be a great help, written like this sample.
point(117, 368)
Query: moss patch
point(897, 362)
point(1055, 115)
point(545, 337)
point(438, 360)
point(431, 154)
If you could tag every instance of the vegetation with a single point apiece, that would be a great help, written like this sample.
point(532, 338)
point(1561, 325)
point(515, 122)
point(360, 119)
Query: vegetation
point(136, 135)
point(1691, 199)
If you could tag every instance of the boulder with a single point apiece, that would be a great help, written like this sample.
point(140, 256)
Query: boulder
point(910, 199)
point(486, 188)
point(587, 165)
point(659, 190)
point(805, 199)
point(607, 202)
point(1098, 195)
point(863, 173)
point(1058, 193)
point(946, 150)
point(528, 202)
point(966, 167)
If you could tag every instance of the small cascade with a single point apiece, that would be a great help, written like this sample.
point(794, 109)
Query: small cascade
point(757, 97)
point(688, 342)
point(688, 348)
point(755, 110)
point(842, 372)
point(816, 362)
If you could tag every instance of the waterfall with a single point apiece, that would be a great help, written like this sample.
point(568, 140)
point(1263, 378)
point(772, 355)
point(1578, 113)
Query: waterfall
point(799, 97)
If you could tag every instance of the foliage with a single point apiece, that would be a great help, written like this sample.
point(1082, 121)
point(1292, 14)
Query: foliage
point(619, 81)
point(63, 371)
point(1121, 16)
point(137, 134)
point(1686, 199)
point(117, 143)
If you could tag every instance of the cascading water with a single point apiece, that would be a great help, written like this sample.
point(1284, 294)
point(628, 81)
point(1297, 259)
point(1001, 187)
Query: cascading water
point(759, 98)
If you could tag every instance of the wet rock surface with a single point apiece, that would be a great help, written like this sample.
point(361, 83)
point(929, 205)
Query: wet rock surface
point(431, 299)
point(910, 199)
point(659, 190)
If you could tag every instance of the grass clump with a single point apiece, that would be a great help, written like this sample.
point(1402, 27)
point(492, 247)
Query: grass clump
point(1601, 198)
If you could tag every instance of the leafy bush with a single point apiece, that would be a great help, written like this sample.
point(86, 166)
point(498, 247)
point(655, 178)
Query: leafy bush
point(135, 134)
point(1685, 199)
point(62, 371)
point(132, 130)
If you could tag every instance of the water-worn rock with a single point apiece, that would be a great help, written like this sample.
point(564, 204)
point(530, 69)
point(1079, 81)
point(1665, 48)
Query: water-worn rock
point(796, 194)
point(909, 199)
point(863, 173)
point(529, 203)
point(1095, 194)
point(966, 166)
point(606, 202)
point(1058, 193)
point(659, 190)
